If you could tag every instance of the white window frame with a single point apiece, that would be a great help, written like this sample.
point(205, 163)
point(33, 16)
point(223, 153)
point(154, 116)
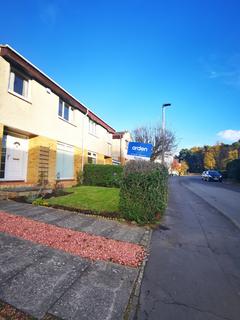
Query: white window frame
point(26, 84)
point(92, 127)
point(92, 155)
point(109, 146)
point(61, 114)
point(65, 149)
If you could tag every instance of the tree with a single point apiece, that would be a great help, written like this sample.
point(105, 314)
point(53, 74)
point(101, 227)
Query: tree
point(175, 165)
point(193, 157)
point(183, 169)
point(154, 135)
point(209, 160)
point(210, 157)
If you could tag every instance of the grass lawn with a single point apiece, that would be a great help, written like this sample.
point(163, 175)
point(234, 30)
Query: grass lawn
point(98, 199)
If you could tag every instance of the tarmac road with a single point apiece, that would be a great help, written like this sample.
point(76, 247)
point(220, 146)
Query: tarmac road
point(223, 196)
point(193, 272)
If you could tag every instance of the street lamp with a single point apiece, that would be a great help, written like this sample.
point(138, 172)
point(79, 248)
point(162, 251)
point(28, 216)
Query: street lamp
point(165, 105)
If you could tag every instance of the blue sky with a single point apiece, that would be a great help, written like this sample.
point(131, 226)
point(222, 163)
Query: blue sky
point(123, 59)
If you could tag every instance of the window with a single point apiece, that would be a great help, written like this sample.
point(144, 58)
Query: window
point(18, 84)
point(109, 149)
point(92, 157)
point(116, 162)
point(65, 161)
point(92, 127)
point(65, 111)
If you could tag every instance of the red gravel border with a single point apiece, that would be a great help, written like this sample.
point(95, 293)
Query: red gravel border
point(74, 242)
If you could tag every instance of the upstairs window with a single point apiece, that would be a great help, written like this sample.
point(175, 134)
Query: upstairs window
point(65, 111)
point(92, 128)
point(109, 149)
point(18, 84)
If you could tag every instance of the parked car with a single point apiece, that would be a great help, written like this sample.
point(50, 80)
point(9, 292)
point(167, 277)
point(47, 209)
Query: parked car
point(211, 175)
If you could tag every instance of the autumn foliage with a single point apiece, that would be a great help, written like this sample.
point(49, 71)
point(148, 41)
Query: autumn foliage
point(210, 157)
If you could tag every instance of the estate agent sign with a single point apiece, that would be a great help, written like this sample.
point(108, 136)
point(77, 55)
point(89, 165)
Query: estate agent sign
point(139, 150)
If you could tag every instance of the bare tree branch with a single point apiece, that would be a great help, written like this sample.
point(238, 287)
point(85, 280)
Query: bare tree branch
point(154, 135)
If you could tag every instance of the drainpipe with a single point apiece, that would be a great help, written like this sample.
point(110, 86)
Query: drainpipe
point(83, 136)
point(120, 150)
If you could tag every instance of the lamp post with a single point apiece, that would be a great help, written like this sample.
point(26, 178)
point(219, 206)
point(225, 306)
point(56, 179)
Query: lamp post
point(165, 105)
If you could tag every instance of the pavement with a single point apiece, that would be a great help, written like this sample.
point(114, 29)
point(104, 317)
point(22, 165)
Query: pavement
point(193, 271)
point(40, 280)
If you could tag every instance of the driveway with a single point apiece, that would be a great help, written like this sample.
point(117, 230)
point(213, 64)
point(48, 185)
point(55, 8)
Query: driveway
point(193, 272)
point(43, 280)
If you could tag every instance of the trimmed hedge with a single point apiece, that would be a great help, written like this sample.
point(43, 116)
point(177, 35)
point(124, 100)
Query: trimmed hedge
point(104, 175)
point(144, 191)
point(233, 169)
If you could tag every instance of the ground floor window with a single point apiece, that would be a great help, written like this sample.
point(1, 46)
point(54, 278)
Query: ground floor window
point(65, 161)
point(116, 162)
point(92, 157)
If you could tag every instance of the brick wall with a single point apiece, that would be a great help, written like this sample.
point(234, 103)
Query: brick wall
point(36, 163)
point(108, 161)
point(77, 162)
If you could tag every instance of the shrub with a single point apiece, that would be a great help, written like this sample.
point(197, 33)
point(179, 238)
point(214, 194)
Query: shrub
point(143, 193)
point(40, 202)
point(31, 197)
point(233, 169)
point(102, 175)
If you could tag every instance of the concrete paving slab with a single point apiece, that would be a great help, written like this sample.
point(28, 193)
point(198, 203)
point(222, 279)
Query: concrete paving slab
point(75, 221)
point(40, 213)
point(21, 209)
point(102, 227)
point(9, 204)
point(40, 285)
point(15, 255)
point(129, 234)
point(101, 293)
point(49, 217)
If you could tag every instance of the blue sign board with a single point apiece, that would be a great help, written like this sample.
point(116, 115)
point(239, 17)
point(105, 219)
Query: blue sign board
point(139, 149)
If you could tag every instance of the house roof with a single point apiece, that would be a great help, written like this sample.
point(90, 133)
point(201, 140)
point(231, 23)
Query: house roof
point(17, 59)
point(119, 134)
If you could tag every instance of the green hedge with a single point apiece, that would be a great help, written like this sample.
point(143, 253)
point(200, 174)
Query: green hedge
point(144, 191)
point(233, 169)
point(102, 175)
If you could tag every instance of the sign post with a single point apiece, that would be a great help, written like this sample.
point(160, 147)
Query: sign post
point(139, 150)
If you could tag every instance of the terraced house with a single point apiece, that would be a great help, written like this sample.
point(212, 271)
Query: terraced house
point(45, 133)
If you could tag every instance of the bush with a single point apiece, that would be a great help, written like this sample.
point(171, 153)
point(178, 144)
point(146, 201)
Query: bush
point(40, 202)
point(144, 191)
point(233, 169)
point(102, 175)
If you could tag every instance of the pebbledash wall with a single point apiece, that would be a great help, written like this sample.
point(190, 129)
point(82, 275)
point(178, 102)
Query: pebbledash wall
point(45, 133)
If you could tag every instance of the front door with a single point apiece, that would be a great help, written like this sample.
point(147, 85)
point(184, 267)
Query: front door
point(16, 158)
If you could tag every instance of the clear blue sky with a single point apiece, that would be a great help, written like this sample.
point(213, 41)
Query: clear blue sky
point(123, 59)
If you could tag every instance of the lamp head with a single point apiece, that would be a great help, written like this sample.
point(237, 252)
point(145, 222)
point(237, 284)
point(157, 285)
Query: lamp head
point(166, 105)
